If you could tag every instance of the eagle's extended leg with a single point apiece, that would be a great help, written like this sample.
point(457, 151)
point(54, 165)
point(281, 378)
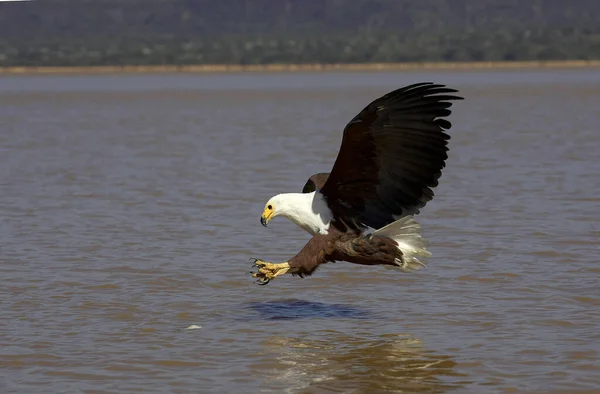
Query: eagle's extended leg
point(313, 254)
point(267, 271)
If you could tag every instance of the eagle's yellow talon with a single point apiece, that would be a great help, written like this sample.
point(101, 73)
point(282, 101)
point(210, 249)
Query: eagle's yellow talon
point(268, 271)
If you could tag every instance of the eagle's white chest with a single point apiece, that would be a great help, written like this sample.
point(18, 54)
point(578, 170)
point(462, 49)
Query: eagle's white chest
point(307, 210)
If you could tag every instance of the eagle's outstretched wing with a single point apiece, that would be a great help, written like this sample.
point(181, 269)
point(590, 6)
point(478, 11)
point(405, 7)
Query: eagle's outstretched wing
point(391, 157)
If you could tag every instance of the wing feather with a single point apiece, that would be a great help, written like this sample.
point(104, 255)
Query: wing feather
point(391, 156)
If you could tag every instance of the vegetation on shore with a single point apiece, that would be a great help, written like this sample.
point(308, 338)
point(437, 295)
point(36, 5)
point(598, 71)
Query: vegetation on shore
point(253, 32)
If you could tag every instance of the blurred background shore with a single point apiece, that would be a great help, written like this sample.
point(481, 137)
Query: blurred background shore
point(264, 35)
point(356, 67)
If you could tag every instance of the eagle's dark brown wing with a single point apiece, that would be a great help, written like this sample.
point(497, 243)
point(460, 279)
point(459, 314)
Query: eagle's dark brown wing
point(315, 182)
point(391, 156)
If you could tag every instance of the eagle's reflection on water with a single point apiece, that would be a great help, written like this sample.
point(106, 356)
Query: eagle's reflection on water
point(331, 361)
point(389, 363)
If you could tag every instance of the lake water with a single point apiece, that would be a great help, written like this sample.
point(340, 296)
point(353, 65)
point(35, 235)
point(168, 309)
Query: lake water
point(130, 205)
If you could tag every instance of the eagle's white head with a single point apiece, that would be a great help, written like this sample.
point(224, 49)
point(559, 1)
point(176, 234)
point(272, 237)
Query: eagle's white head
point(307, 210)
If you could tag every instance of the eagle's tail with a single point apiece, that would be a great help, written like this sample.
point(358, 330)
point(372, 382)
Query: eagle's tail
point(411, 245)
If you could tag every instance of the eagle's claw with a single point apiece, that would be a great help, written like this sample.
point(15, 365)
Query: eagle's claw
point(267, 271)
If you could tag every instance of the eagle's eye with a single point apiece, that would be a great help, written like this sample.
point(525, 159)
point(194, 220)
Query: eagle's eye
point(269, 207)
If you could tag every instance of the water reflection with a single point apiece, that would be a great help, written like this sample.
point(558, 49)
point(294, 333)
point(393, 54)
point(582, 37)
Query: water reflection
point(298, 309)
point(341, 363)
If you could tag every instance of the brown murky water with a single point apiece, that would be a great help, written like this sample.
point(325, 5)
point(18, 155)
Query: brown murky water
point(130, 205)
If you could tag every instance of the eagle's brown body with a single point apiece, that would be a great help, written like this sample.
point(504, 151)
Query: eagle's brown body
point(352, 247)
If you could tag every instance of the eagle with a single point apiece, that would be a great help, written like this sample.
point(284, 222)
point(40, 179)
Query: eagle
point(391, 157)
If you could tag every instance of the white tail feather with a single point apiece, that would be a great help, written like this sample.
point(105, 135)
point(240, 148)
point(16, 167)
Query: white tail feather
point(412, 246)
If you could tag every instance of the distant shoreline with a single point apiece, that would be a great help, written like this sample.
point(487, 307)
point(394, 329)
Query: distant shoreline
point(364, 67)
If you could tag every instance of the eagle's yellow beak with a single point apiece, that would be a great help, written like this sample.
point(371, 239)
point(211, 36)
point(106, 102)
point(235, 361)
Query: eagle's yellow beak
point(266, 215)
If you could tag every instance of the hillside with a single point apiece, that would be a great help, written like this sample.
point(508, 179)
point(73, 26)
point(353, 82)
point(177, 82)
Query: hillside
point(115, 32)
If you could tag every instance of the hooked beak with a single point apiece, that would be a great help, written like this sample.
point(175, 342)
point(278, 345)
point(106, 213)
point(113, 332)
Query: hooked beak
point(266, 216)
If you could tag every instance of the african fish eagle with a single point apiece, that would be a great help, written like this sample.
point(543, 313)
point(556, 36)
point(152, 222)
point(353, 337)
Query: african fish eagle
point(390, 159)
